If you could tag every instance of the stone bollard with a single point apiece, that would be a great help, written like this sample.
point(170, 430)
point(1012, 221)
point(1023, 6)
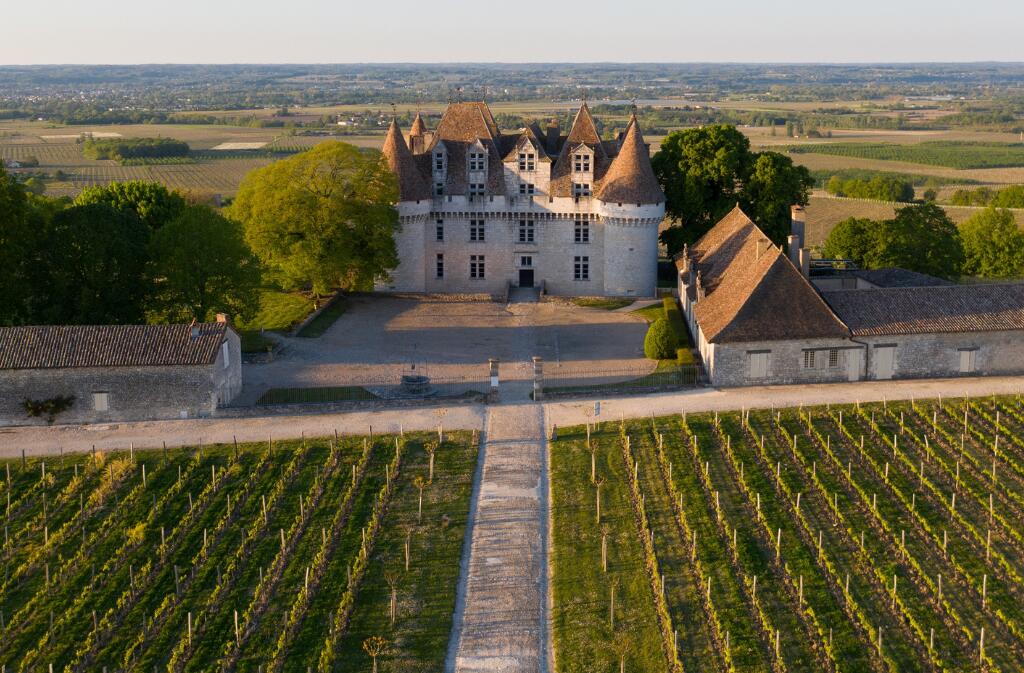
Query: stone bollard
point(554, 433)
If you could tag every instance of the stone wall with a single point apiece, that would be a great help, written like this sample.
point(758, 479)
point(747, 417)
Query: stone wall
point(937, 355)
point(133, 393)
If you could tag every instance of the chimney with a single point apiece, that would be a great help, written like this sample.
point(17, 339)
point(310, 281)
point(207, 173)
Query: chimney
point(194, 330)
point(804, 257)
point(798, 223)
point(416, 144)
point(222, 317)
point(794, 248)
point(552, 136)
point(762, 246)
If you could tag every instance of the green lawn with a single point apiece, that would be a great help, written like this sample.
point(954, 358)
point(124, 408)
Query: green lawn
point(320, 324)
point(279, 312)
point(606, 303)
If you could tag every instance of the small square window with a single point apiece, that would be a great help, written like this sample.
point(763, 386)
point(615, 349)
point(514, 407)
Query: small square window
point(527, 161)
point(580, 189)
point(526, 188)
point(526, 261)
point(438, 189)
point(101, 401)
point(439, 161)
point(476, 189)
point(477, 161)
point(581, 163)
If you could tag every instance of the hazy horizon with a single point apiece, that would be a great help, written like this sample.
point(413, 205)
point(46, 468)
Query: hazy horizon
point(119, 32)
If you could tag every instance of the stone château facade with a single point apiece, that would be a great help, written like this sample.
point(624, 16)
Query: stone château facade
point(483, 210)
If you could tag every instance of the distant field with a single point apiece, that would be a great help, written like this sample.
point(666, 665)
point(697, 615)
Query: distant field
point(960, 155)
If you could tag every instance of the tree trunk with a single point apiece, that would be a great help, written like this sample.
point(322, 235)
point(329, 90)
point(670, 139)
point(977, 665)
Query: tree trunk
point(419, 514)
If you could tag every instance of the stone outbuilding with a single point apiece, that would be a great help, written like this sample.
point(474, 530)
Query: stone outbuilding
point(118, 372)
point(758, 317)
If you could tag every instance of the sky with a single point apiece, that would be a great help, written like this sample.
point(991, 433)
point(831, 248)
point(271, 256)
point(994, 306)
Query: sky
point(425, 31)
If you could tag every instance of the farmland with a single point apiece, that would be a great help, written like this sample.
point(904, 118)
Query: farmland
point(876, 537)
point(960, 155)
point(278, 556)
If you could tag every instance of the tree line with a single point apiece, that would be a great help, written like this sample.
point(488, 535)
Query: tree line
point(1008, 197)
point(923, 238)
point(137, 252)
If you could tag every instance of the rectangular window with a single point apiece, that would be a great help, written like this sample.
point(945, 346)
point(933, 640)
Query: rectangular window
point(225, 353)
point(439, 161)
point(581, 267)
point(101, 401)
point(438, 189)
point(526, 188)
point(476, 266)
point(477, 231)
point(476, 189)
point(526, 231)
point(581, 231)
point(833, 358)
point(809, 359)
point(440, 265)
point(758, 364)
point(439, 230)
point(476, 161)
point(527, 161)
point(526, 261)
point(581, 163)
point(968, 360)
point(580, 189)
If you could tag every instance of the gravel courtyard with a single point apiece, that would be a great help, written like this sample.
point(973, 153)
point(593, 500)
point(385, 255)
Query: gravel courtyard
point(380, 337)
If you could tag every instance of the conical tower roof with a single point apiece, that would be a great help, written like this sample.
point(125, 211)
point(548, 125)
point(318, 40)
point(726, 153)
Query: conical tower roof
point(630, 178)
point(418, 127)
point(411, 185)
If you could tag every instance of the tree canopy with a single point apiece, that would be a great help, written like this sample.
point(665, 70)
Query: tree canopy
point(322, 219)
point(920, 238)
point(705, 172)
point(15, 232)
point(201, 266)
point(993, 245)
point(153, 203)
point(89, 267)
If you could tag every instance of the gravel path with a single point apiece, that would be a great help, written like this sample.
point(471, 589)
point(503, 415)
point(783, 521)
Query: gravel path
point(501, 611)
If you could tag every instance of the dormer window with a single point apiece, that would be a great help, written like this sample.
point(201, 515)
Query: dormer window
point(438, 189)
point(580, 189)
point(439, 161)
point(527, 161)
point(526, 188)
point(476, 189)
point(581, 163)
point(477, 161)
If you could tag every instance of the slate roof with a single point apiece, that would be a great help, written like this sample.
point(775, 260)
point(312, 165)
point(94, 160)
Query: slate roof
point(465, 124)
point(896, 277)
point(411, 185)
point(753, 292)
point(930, 310)
point(67, 346)
point(630, 178)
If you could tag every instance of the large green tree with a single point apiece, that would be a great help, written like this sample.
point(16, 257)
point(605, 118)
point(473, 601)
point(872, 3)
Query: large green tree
point(706, 171)
point(920, 238)
point(200, 266)
point(15, 233)
point(322, 219)
point(993, 245)
point(151, 202)
point(852, 239)
point(88, 267)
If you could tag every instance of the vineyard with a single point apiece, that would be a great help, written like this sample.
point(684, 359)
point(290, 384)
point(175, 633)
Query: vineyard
point(282, 556)
point(951, 154)
point(880, 537)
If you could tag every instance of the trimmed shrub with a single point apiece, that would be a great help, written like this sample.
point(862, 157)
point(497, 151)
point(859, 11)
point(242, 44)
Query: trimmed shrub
point(661, 341)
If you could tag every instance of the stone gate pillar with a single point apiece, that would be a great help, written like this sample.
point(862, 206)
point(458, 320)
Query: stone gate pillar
point(538, 378)
point(492, 395)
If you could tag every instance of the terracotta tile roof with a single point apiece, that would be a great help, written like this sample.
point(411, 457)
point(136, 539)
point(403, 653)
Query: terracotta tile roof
point(930, 310)
point(753, 292)
point(411, 185)
point(630, 178)
point(66, 346)
point(418, 127)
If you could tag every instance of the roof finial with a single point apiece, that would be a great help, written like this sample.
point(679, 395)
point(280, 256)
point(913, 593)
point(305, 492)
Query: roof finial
point(483, 94)
point(632, 105)
point(458, 94)
point(394, 112)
